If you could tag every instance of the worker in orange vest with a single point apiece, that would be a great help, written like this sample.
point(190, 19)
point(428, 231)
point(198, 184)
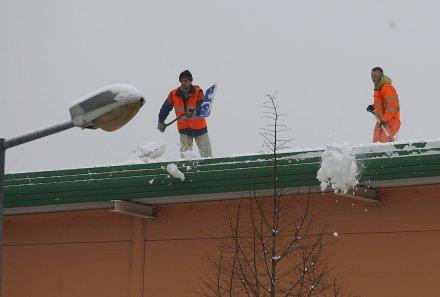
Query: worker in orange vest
point(186, 101)
point(386, 107)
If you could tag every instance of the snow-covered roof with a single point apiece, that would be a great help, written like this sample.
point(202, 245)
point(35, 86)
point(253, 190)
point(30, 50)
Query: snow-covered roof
point(390, 165)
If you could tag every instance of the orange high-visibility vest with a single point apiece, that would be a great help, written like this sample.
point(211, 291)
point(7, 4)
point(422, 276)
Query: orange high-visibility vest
point(386, 103)
point(194, 122)
point(387, 108)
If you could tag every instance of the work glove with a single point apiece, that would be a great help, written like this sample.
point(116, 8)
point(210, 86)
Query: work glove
point(190, 112)
point(370, 108)
point(161, 127)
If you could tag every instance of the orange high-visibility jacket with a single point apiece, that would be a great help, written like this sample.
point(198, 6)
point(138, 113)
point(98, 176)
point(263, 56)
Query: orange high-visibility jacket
point(386, 101)
point(195, 122)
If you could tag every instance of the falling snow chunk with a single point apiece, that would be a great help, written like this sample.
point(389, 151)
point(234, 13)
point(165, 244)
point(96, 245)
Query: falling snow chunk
point(151, 181)
point(335, 234)
point(175, 172)
point(276, 258)
point(338, 169)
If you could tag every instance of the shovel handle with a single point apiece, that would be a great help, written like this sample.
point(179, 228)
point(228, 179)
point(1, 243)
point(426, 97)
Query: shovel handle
point(179, 117)
point(383, 128)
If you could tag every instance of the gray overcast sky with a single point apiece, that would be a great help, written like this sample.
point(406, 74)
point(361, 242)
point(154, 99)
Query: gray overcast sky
point(316, 54)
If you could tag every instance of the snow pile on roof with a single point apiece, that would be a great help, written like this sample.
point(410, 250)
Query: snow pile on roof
point(175, 172)
point(152, 151)
point(338, 168)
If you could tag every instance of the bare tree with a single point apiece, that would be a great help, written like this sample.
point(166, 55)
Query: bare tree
point(274, 247)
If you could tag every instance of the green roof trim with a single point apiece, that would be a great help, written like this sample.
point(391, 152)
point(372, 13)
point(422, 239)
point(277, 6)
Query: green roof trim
point(376, 163)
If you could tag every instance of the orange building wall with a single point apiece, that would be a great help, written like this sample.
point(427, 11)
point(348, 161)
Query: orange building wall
point(67, 254)
point(386, 250)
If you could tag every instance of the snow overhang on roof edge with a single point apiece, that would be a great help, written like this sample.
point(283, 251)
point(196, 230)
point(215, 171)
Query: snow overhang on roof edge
point(380, 165)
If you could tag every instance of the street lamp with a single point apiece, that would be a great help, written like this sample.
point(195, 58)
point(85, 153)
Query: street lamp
point(108, 108)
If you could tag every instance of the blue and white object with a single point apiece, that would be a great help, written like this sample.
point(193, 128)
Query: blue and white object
point(208, 100)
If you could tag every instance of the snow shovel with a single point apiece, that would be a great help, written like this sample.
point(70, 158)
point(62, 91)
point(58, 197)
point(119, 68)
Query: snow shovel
point(383, 127)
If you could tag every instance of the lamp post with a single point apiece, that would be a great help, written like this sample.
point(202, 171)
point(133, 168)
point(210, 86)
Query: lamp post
point(108, 108)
